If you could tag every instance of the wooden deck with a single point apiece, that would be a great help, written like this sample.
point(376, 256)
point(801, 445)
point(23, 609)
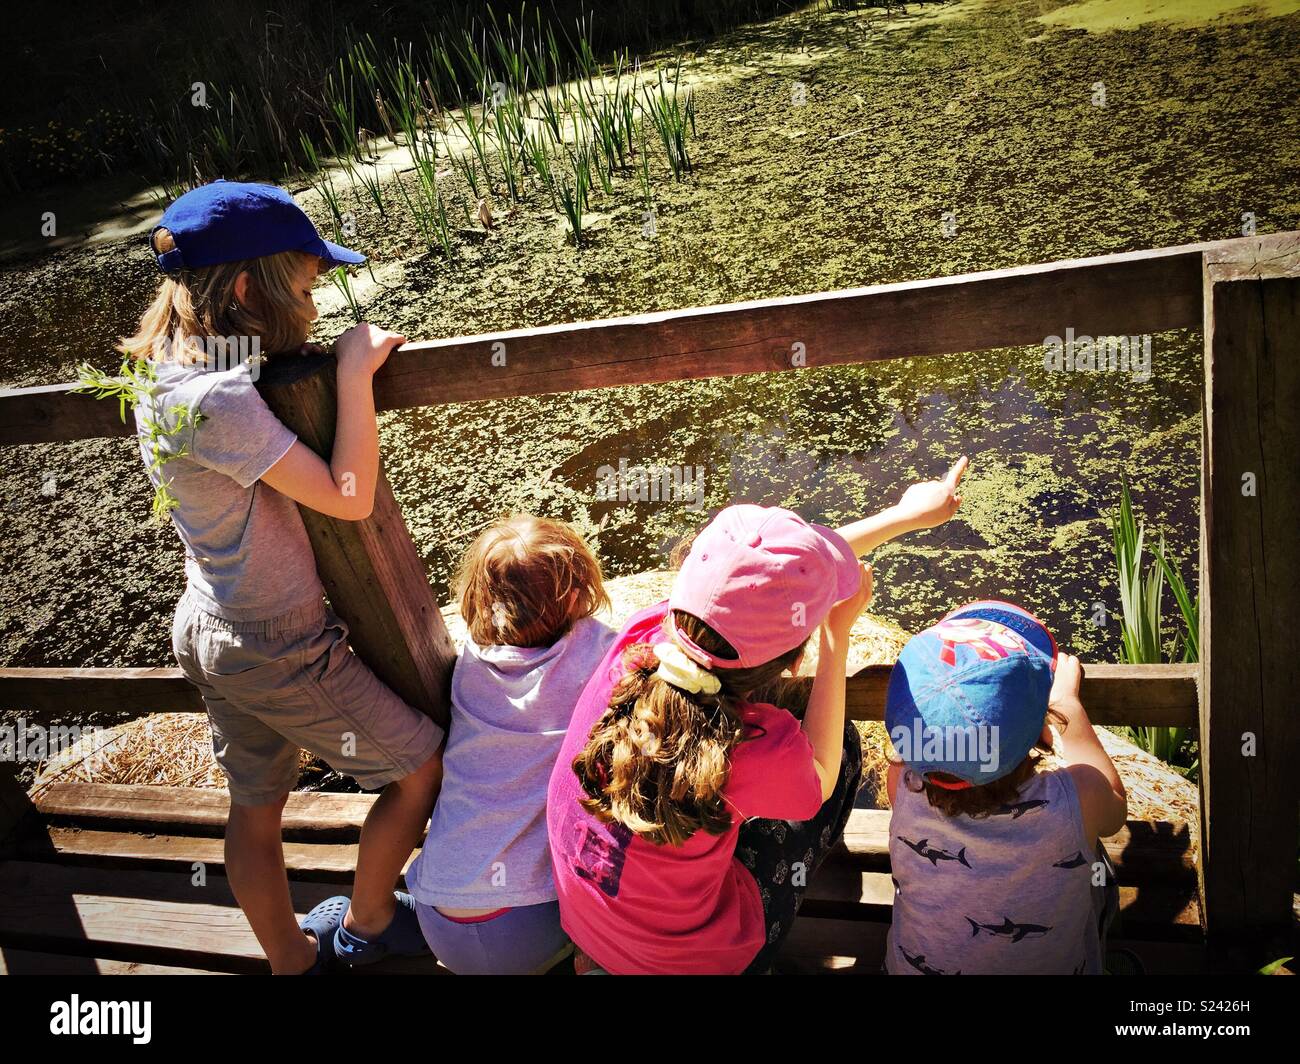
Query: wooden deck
point(130, 879)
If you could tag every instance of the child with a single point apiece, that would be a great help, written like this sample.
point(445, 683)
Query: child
point(484, 894)
point(252, 631)
point(685, 813)
point(996, 864)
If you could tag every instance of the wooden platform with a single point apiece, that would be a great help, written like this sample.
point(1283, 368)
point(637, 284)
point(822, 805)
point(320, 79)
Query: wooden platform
point(128, 879)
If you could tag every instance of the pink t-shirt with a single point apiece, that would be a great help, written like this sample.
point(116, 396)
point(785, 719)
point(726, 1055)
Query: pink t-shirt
point(636, 908)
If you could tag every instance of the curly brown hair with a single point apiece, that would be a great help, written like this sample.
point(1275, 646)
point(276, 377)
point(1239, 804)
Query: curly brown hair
point(658, 758)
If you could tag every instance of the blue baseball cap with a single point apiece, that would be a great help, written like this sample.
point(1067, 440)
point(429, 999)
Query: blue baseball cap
point(968, 696)
point(226, 221)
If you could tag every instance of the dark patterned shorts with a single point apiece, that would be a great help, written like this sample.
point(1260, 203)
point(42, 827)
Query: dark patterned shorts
point(782, 855)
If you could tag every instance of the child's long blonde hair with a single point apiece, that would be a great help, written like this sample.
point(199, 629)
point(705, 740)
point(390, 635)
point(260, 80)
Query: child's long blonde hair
point(657, 760)
point(200, 303)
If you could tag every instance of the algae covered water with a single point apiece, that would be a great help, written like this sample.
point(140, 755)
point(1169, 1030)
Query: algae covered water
point(832, 150)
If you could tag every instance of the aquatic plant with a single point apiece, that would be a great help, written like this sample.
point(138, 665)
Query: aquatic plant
point(134, 384)
point(573, 199)
point(1141, 588)
point(340, 279)
point(671, 113)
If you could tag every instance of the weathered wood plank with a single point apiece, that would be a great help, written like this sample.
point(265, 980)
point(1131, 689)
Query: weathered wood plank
point(1142, 852)
point(195, 810)
point(26, 962)
point(54, 693)
point(1163, 695)
point(321, 861)
point(1127, 293)
point(153, 917)
point(1250, 584)
point(372, 572)
point(1150, 695)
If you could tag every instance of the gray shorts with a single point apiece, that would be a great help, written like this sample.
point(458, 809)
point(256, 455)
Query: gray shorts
point(273, 687)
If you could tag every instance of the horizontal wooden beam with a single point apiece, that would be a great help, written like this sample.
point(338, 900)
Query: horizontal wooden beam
point(1146, 695)
point(46, 694)
point(1128, 293)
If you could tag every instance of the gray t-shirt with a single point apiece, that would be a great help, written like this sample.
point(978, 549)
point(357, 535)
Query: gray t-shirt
point(510, 710)
point(247, 556)
point(1010, 894)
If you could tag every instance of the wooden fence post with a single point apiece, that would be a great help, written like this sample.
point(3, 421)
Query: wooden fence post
point(372, 572)
point(1250, 594)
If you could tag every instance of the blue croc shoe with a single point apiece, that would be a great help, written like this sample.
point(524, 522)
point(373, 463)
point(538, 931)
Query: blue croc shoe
point(323, 922)
point(401, 938)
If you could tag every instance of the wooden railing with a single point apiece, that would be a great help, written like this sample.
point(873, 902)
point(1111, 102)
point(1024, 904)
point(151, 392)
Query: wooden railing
point(1244, 295)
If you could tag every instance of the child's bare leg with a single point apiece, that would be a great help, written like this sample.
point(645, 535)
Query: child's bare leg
point(388, 837)
point(255, 870)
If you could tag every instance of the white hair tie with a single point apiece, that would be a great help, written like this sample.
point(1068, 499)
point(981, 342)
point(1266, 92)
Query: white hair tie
point(684, 672)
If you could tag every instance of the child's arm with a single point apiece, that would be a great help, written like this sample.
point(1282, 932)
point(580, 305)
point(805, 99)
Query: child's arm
point(923, 505)
point(1101, 791)
point(345, 487)
point(891, 780)
point(823, 720)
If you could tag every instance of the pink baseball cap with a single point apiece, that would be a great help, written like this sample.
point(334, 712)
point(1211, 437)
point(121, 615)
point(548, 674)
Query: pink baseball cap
point(763, 578)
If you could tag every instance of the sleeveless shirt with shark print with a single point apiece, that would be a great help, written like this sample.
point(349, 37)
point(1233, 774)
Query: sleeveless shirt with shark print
point(1012, 893)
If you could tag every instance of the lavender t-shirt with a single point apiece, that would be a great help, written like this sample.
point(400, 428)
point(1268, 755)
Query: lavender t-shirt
point(510, 709)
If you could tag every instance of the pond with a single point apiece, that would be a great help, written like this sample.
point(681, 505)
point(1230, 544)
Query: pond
point(832, 151)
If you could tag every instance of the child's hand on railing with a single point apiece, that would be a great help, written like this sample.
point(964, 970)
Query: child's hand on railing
point(1064, 697)
point(1066, 681)
point(364, 348)
point(933, 502)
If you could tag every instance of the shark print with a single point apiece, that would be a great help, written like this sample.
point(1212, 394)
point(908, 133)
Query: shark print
point(933, 855)
point(1072, 862)
point(918, 962)
point(1008, 929)
point(1019, 809)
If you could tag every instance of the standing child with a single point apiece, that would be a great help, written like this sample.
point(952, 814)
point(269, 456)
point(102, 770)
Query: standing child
point(996, 864)
point(485, 897)
point(686, 814)
point(252, 630)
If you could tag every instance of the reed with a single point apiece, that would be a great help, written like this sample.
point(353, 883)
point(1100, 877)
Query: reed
point(671, 112)
point(573, 199)
point(340, 279)
point(1141, 587)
